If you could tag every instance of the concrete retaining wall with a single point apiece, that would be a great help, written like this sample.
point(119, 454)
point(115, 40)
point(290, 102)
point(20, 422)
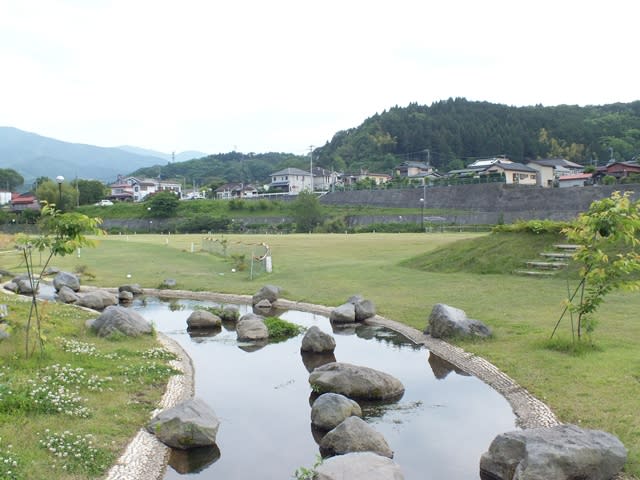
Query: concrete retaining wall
point(482, 203)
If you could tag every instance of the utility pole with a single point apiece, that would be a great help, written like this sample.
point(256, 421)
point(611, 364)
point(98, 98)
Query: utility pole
point(311, 165)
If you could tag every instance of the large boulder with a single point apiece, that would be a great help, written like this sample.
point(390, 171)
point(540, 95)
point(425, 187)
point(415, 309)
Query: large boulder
point(251, 327)
point(121, 320)
point(345, 313)
point(356, 382)
point(358, 466)
point(563, 452)
point(316, 341)
point(330, 409)
point(268, 292)
point(203, 319)
point(97, 299)
point(189, 424)
point(354, 435)
point(125, 297)
point(66, 279)
point(67, 295)
point(133, 288)
point(446, 322)
point(363, 308)
point(22, 284)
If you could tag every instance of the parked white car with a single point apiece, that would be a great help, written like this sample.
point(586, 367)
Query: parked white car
point(104, 203)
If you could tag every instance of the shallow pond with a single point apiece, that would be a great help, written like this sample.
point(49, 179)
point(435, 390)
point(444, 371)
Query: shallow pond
point(438, 429)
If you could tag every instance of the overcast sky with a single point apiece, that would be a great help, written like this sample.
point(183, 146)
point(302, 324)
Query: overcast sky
point(281, 75)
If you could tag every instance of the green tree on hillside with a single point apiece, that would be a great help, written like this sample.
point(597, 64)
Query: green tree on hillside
point(10, 179)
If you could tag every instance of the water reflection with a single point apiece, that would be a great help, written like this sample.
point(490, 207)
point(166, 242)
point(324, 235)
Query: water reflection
point(441, 368)
point(198, 333)
point(438, 429)
point(314, 360)
point(194, 460)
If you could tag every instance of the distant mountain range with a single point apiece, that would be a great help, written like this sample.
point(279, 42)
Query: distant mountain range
point(177, 157)
point(34, 156)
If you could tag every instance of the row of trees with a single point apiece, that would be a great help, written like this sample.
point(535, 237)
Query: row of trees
point(70, 194)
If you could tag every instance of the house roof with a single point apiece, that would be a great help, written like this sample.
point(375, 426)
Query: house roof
point(291, 171)
point(513, 167)
point(410, 163)
point(319, 171)
point(23, 198)
point(235, 187)
point(556, 162)
point(487, 162)
point(577, 176)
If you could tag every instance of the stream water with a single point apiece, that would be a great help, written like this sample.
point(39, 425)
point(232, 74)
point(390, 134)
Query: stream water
point(438, 429)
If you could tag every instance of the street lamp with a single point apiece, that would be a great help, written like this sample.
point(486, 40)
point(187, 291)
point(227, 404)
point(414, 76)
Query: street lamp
point(59, 179)
point(422, 214)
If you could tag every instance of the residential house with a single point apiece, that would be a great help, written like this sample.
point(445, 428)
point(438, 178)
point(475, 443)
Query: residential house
point(619, 170)
point(478, 167)
point(291, 181)
point(514, 173)
point(413, 169)
point(550, 169)
point(575, 180)
point(24, 201)
point(236, 190)
point(136, 189)
point(324, 180)
point(353, 178)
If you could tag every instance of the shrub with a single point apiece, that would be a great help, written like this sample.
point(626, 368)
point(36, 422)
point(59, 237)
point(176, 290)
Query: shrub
point(280, 329)
point(533, 226)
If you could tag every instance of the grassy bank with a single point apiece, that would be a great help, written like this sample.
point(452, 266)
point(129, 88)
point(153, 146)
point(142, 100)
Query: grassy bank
point(69, 412)
point(399, 272)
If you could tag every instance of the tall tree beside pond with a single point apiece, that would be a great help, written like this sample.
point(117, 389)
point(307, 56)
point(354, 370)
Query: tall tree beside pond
point(61, 234)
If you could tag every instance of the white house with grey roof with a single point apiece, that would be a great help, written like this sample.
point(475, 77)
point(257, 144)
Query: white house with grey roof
point(551, 169)
point(291, 181)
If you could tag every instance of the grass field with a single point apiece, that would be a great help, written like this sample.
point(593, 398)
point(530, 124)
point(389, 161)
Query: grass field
point(598, 388)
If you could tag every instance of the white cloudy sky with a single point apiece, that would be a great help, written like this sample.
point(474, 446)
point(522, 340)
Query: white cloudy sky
point(281, 75)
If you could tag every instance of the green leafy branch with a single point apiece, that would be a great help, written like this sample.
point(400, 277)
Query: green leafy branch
point(61, 234)
point(608, 252)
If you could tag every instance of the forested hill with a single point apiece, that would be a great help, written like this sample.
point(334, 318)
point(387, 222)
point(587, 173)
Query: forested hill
point(448, 134)
point(452, 133)
point(214, 170)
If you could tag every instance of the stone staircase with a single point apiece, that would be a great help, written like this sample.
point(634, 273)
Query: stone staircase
point(552, 262)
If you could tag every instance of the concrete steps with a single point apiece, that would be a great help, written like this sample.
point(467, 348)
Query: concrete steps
point(553, 263)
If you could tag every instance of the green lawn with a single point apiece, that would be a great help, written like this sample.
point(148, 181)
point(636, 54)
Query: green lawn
point(597, 389)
